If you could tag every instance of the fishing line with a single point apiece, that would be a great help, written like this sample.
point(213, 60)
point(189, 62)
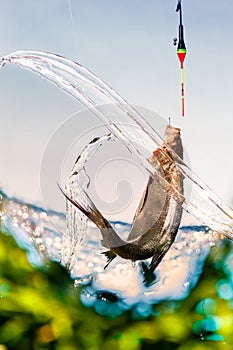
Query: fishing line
point(73, 26)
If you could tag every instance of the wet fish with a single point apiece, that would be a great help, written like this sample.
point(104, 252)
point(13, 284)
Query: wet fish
point(159, 213)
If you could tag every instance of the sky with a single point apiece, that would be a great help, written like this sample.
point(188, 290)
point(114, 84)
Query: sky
point(128, 44)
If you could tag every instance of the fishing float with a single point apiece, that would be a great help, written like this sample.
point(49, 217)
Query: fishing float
point(181, 53)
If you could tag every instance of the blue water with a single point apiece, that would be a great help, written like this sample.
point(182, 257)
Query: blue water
point(122, 285)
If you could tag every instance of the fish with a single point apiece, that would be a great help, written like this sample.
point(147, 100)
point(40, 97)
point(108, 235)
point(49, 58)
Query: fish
point(158, 216)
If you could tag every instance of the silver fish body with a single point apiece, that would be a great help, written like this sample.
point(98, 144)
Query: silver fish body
point(159, 213)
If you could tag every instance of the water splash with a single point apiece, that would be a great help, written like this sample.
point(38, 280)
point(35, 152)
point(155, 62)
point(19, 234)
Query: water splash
point(44, 231)
point(40, 232)
point(36, 230)
point(126, 124)
point(76, 221)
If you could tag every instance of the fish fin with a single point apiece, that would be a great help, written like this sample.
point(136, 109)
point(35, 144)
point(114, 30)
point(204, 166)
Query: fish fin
point(110, 256)
point(109, 235)
point(156, 260)
point(148, 274)
point(144, 198)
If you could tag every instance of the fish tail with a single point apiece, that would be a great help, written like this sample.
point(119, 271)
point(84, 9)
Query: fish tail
point(88, 209)
point(109, 236)
point(110, 255)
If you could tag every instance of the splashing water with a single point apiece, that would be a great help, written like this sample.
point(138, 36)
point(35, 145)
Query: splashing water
point(36, 230)
point(126, 124)
point(40, 232)
point(76, 221)
point(187, 254)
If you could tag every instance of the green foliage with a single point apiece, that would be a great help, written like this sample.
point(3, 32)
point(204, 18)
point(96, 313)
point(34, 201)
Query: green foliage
point(41, 309)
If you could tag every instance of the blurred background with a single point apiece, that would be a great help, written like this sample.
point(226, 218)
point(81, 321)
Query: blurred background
point(41, 309)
